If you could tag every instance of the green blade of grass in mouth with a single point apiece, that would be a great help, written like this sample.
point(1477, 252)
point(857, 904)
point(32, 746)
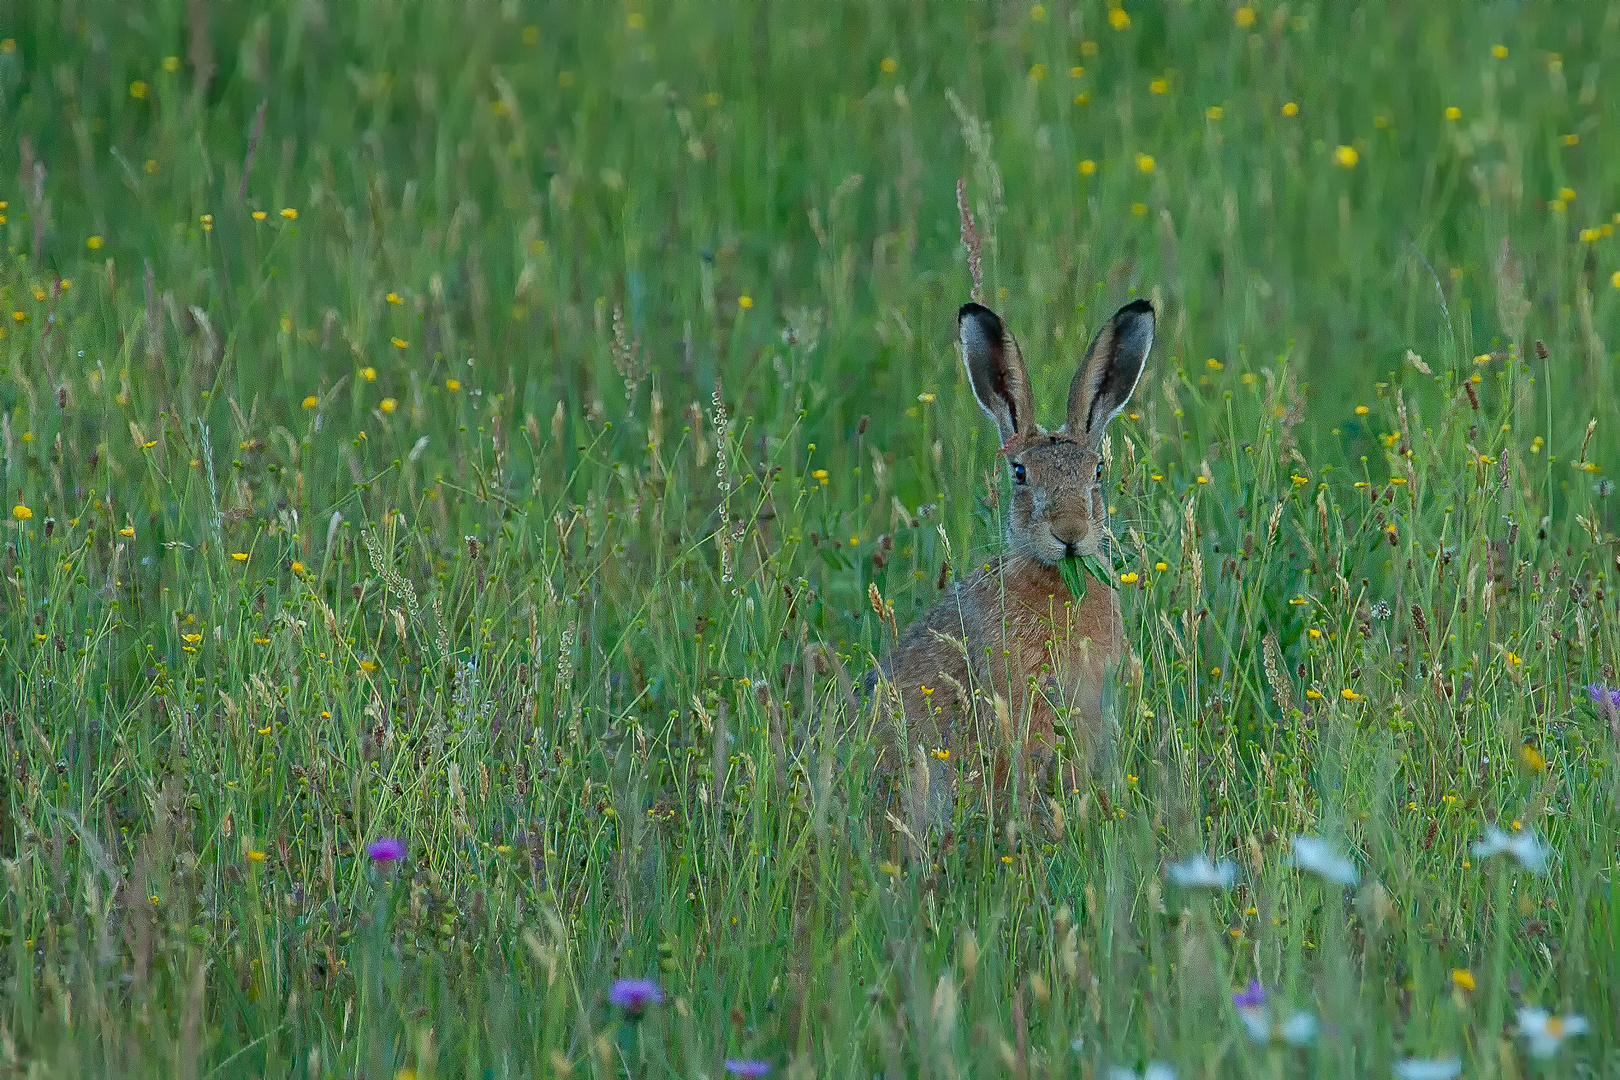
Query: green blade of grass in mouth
point(1074, 569)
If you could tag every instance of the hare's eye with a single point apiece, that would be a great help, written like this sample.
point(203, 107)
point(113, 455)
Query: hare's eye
point(1099, 472)
point(1019, 476)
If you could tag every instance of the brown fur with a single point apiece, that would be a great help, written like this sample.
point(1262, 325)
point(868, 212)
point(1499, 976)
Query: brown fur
point(992, 677)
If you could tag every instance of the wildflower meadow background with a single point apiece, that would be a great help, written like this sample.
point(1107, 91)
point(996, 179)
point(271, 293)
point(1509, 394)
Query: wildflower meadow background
point(459, 460)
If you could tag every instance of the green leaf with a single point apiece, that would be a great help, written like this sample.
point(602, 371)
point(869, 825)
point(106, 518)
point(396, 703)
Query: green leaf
point(1098, 569)
point(1074, 568)
point(1074, 576)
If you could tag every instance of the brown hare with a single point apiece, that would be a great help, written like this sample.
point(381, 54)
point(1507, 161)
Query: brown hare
point(985, 685)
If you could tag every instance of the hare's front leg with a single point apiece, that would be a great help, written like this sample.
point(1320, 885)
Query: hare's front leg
point(1079, 702)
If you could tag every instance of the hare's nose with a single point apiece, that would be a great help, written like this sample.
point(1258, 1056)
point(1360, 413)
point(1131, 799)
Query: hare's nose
point(1070, 531)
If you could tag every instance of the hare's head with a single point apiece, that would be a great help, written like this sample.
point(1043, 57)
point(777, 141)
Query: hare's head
point(1057, 505)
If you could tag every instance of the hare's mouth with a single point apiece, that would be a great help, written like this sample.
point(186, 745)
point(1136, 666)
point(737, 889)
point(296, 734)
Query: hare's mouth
point(1051, 550)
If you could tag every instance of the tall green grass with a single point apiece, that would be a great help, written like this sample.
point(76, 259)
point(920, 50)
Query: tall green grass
point(366, 376)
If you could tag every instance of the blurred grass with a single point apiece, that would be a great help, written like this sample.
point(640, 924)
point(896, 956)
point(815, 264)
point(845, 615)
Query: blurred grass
point(365, 484)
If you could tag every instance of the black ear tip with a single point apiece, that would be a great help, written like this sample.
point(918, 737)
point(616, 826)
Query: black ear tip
point(978, 312)
point(1135, 309)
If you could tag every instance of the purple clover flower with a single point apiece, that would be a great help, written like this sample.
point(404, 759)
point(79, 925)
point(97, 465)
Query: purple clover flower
point(1251, 997)
point(1605, 696)
point(634, 995)
point(746, 1067)
point(386, 849)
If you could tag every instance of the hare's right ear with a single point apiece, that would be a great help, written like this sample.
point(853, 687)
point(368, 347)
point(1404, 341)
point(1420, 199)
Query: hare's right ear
point(1109, 372)
point(995, 367)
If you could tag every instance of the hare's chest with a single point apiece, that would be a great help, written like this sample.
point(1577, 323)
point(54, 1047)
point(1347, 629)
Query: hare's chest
point(1064, 629)
point(1058, 654)
point(1067, 671)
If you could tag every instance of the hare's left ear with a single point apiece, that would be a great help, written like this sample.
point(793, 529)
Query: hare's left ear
point(996, 370)
point(1109, 372)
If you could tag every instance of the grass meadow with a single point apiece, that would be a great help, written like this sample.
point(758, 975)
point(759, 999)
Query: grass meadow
point(513, 427)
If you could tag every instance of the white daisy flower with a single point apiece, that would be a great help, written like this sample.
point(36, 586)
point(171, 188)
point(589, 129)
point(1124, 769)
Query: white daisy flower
point(1197, 872)
point(1428, 1068)
point(1156, 1070)
point(1546, 1033)
point(1319, 857)
point(1257, 1022)
point(1298, 1030)
point(1525, 847)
